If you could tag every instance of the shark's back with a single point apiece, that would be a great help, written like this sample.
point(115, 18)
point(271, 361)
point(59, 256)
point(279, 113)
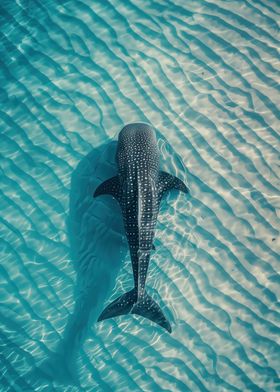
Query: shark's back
point(138, 161)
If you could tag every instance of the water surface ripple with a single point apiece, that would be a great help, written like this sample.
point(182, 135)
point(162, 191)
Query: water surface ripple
point(206, 75)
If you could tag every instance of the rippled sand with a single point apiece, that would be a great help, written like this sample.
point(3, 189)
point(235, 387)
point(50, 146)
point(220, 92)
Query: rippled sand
point(206, 75)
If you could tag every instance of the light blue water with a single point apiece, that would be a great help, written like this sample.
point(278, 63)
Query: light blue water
point(206, 75)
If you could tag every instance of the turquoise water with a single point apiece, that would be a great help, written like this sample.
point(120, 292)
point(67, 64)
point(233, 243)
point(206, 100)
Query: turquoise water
point(205, 74)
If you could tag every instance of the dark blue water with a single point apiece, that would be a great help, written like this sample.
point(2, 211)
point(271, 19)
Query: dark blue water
point(205, 74)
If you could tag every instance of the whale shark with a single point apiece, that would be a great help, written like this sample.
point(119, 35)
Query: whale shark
point(139, 187)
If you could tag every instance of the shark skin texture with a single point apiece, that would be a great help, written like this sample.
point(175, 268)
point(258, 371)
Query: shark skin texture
point(138, 187)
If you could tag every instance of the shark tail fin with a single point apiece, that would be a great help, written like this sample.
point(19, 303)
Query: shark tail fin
point(122, 305)
point(146, 307)
point(149, 309)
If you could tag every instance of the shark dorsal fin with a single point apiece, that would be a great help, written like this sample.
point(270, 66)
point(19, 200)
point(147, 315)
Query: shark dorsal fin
point(166, 182)
point(111, 186)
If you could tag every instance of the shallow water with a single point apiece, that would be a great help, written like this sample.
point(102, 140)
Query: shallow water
point(205, 74)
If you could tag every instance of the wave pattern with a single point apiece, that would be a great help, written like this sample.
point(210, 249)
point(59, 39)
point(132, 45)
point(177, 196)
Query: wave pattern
point(206, 75)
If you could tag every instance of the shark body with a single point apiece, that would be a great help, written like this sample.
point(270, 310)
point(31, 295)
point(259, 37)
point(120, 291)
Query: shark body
point(139, 187)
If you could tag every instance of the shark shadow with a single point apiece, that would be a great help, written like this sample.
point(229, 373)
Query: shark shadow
point(98, 247)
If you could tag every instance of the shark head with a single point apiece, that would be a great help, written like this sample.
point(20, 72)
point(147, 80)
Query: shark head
point(137, 143)
point(140, 132)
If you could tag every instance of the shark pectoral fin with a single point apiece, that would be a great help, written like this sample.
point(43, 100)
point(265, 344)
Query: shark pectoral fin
point(120, 306)
point(153, 247)
point(168, 182)
point(109, 187)
point(149, 309)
